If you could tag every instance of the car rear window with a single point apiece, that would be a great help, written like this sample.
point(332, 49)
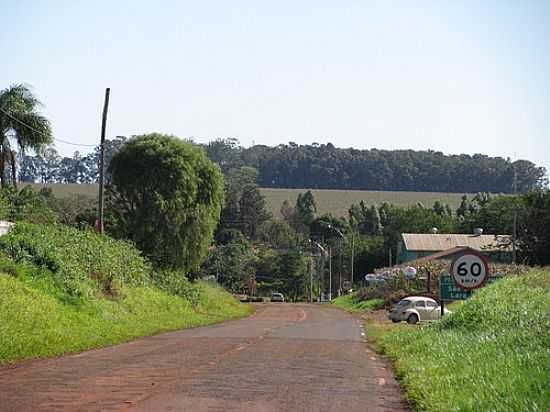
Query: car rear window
point(431, 304)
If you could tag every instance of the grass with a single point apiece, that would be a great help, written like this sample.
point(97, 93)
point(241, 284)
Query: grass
point(346, 302)
point(336, 202)
point(35, 322)
point(63, 290)
point(491, 354)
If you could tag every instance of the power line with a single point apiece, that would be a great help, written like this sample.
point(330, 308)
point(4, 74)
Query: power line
point(42, 133)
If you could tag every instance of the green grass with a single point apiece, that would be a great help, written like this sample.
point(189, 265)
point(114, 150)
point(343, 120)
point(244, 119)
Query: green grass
point(35, 322)
point(63, 290)
point(336, 202)
point(346, 302)
point(491, 354)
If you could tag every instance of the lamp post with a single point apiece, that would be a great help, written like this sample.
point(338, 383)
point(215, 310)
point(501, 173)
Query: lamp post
point(323, 254)
point(352, 246)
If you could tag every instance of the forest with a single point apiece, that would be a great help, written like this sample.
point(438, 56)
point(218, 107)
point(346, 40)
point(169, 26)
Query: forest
point(323, 166)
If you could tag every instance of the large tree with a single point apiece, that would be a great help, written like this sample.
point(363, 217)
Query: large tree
point(22, 124)
point(166, 197)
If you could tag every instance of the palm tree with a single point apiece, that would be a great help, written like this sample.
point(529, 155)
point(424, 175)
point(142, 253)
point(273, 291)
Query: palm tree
point(20, 121)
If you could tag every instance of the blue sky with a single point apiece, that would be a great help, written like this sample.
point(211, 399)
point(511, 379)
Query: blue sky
point(453, 76)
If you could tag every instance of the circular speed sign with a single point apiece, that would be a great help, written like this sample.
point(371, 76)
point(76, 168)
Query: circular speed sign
point(470, 270)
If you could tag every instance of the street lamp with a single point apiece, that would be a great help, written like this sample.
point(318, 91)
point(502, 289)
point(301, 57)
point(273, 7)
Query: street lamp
point(323, 254)
point(352, 246)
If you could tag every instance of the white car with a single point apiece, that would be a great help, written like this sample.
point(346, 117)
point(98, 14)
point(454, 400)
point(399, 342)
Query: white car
point(416, 308)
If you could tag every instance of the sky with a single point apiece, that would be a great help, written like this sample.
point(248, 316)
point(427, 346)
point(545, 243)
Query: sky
point(451, 76)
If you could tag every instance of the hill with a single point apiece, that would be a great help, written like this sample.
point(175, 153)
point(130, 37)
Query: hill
point(336, 202)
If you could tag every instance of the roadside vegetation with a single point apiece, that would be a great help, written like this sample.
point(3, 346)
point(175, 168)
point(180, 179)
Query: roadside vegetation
point(490, 354)
point(349, 303)
point(63, 290)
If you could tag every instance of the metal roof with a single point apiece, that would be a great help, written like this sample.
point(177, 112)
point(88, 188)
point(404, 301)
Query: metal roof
point(427, 242)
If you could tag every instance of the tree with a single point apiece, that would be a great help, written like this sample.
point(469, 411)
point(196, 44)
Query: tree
point(290, 271)
point(166, 196)
point(533, 233)
point(20, 120)
point(277, 233)
point(252, 210)
point(305, 211)
point(244, 207)
point(232, 264)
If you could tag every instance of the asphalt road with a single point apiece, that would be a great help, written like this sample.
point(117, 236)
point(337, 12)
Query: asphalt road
point(283, 358)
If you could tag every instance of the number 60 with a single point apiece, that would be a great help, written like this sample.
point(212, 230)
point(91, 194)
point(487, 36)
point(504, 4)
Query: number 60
point(475, 269)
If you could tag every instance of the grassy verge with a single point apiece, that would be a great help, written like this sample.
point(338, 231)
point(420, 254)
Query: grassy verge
point(491, 354)
point(64, 290)
point(346, 302)
point(35, 323)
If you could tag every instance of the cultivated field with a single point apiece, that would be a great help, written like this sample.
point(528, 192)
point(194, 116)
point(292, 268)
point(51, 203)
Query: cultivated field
point(336, 202)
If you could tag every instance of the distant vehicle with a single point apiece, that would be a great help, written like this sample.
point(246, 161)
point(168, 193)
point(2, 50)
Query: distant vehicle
point(277, 297)
point(413, 309)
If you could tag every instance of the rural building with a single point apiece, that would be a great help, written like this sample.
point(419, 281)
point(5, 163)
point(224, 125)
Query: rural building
point(414, 246)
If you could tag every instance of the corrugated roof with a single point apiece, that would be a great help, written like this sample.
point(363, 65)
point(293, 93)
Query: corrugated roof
point(427, 242)
point(438, 255)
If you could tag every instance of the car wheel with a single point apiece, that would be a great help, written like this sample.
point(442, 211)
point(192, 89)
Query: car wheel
point(412, 319)
point(395, 320)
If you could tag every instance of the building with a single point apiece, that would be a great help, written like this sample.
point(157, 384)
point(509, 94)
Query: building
point(414, 246)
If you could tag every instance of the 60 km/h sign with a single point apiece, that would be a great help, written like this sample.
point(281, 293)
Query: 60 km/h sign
point(470, 270)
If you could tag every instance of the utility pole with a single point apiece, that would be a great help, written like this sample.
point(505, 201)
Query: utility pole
point(515, 229)
point(99, 227)
point(329, 274)
point(352, 253)
point(311, 280)
point(340, 269)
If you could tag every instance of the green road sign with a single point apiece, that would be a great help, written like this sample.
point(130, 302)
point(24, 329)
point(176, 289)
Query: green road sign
point(449, 291)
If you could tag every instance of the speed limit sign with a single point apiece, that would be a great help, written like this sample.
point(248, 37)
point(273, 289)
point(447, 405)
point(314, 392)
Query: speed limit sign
point(470, 270)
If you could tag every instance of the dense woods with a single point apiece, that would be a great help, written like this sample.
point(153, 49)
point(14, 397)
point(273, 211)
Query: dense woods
point(324, 166)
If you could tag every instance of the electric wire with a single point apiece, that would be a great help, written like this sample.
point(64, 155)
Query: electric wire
point(42, 133)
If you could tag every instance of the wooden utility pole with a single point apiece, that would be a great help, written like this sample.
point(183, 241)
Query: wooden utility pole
point(99, 226)
point(515, 228)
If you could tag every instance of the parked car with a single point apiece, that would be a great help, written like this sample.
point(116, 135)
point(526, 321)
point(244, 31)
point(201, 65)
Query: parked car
point(277, 297)
point(413, 309)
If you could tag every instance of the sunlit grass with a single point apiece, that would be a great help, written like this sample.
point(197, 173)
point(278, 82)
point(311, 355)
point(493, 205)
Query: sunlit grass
point(346, 302)
point(491, 354)
point(36, 321)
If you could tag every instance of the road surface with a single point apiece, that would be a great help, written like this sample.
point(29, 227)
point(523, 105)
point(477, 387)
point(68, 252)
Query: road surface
point(285, 357)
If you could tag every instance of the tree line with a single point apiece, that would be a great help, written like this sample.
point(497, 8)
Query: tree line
point(323, 167)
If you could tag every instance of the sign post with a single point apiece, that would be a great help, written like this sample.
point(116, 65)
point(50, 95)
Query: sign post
point(468, 271)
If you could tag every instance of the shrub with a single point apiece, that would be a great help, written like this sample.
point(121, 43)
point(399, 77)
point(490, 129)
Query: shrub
point(82, 262)
point(176, 283)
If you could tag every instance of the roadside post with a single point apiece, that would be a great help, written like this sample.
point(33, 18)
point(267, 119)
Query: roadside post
point(468, 271)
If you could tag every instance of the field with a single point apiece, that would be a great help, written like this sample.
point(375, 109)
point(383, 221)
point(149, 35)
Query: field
point(336, 202)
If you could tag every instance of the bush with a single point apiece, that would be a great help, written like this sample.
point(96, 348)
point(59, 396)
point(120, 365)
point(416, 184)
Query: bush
point(82, 262)
point(176, 283)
